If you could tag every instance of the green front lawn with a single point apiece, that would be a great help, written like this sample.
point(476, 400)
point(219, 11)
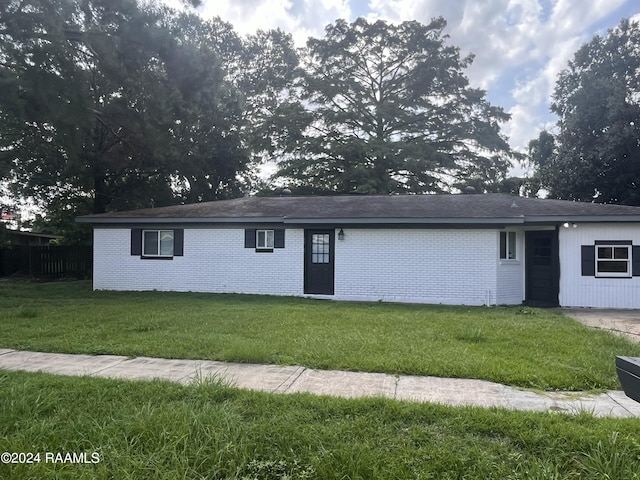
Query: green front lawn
point(516, 345)
point(159, 430)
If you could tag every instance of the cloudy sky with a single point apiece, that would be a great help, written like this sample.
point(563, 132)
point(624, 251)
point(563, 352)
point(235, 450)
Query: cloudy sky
point(519, 45)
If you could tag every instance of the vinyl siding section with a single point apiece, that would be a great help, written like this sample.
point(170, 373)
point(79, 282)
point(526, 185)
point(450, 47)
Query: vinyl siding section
point(510, 283)
point(588, 291)
point(214, 260)
point(448, 266)
point(510, 274)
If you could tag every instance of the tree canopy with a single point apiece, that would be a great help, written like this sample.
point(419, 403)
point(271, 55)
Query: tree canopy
point(118, 104)
point(595, 154)
point(113, 105)
point(389, 110)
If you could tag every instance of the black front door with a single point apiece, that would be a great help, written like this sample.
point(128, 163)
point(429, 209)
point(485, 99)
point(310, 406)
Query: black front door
point(542, 268)
point(318, 261)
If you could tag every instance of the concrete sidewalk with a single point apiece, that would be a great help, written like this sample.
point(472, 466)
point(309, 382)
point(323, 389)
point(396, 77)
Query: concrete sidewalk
point(618, 321)
point(291, 379)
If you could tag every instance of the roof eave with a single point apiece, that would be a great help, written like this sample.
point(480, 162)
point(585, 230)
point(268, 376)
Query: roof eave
point(155, 220)
point(297, 221)
point(402, 221)
point(529, 219)
point(581, 218)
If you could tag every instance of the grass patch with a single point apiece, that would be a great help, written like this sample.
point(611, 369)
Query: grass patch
point(26, 312)
point(518, 346)
point(160, 430)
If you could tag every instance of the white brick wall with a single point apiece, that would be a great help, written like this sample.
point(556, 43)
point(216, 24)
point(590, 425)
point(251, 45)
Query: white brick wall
point(214, 260)
point(454, 266)
point(579, 291)
point(449, 266)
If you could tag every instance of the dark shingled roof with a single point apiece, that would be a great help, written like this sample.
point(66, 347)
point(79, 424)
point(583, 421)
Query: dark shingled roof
point(469, 208)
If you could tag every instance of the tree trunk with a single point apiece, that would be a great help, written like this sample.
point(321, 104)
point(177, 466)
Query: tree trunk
point(100, 197)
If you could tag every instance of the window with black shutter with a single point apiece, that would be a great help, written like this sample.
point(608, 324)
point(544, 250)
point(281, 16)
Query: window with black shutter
point(610, 259)
point(264, 240)
point(157, 243)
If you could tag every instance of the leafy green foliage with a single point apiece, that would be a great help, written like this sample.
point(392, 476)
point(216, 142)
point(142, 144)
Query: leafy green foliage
point(104, 85)
point(390, 111)
point(60, 220)
point(594, 156)
point(131, 105)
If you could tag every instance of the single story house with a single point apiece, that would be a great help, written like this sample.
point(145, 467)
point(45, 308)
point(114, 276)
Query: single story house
point(467, 249)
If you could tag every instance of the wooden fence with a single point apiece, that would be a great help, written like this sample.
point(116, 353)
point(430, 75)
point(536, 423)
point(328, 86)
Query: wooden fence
point(46, 261)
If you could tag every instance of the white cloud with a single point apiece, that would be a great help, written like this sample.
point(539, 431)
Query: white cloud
point(301, 18)
point(520, 46)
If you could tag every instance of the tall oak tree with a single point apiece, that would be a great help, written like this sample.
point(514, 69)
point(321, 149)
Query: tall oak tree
point(595, 154)
point(115, 104)
point(389, 110)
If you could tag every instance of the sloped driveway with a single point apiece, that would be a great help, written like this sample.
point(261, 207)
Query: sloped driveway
point(624, 322)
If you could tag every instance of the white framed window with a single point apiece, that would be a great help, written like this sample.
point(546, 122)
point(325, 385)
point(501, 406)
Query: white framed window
point(613, 260)
point(264, 239)
point(508, 246)
point(157, 243)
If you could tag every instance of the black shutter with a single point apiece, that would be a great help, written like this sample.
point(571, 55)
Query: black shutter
point(178, 242)
point(250, 238)
point(635, 261)
point(136, 241)
point(278, 238)
point(588, 260)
